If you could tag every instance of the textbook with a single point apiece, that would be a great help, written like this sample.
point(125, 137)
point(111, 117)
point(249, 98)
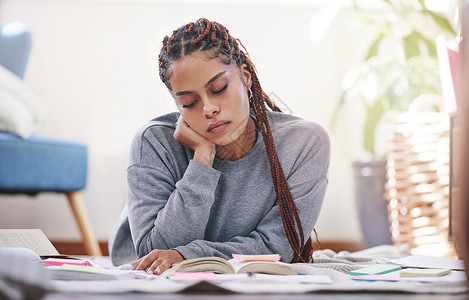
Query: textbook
point(33, 239)
point(232, 266)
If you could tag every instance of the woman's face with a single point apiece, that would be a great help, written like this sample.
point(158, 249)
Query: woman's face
point(211, 96)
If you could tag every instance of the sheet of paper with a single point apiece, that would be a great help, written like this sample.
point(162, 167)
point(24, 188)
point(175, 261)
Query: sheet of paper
point(266, 278)
point(33, 239)
point(294, 278)
point(425, 261)
point(275, 278)
point(454, 276)
point(143, 275)
point(193, 276)
point(88, 273)
point(394, 276)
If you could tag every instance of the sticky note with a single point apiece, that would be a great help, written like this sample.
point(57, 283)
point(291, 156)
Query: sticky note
point(85, 269)
point(424, 272)
point(375, 270)
point(61, 261)
point(259, 257)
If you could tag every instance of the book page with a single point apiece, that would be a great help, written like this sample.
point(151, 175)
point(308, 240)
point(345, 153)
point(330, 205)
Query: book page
point(274, 268)
point(425, 261)
point(33, 239)
point(201, 264)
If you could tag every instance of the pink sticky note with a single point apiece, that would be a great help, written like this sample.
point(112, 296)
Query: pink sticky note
point(61, 261)
point(259, 257)
point(195, 275)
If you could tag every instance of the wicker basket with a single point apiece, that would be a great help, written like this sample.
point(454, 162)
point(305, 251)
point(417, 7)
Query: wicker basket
point(417, 182)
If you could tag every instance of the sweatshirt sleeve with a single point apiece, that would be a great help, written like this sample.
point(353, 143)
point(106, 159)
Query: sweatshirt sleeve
point(165, 211)
point(308, 182)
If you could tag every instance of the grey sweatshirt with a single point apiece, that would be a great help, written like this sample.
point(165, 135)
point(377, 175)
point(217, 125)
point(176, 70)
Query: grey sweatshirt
point(177, 203)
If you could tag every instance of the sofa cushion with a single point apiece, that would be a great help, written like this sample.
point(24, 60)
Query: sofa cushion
point(21, 111)
point(41, 164)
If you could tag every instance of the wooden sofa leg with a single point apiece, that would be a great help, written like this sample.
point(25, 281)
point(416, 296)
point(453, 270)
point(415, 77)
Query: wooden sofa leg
point(90, 242)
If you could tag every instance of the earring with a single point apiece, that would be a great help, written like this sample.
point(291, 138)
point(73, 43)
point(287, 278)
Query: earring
point(250, 95)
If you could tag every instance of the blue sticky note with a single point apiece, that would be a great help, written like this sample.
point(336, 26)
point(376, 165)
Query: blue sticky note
point(375, 270)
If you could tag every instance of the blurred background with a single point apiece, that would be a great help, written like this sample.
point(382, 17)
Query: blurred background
point(93, 64)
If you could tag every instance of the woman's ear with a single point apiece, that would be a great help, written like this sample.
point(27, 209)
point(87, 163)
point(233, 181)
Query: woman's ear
point(246, 76)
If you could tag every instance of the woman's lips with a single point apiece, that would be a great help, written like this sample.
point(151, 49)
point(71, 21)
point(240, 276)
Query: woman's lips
point(218, 126)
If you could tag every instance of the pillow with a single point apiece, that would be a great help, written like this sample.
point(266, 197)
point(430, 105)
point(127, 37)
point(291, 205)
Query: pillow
point(21, 111)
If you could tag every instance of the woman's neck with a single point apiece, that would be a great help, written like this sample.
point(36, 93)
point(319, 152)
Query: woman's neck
point(241, 146)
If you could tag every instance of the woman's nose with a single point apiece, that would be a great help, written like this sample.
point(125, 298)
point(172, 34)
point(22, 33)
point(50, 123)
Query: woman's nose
point(210, 108)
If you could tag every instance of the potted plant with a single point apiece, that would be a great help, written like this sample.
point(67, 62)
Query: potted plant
point(401, 64)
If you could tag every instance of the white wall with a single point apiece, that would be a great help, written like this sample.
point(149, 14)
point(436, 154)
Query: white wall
point(95, 65)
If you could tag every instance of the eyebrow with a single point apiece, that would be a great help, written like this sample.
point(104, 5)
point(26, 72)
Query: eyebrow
point(208, 82)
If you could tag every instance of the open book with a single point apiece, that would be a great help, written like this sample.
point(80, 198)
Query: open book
point(33, 239)
point(31, 246)
point(232, 266)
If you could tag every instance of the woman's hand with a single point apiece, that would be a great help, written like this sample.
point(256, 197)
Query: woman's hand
point(204, 150)
point(158, 261)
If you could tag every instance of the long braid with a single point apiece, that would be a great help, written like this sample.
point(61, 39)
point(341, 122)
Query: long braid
point(288, 209)
point(204, 35)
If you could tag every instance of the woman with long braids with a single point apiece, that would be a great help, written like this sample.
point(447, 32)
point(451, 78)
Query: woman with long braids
point(227, 174)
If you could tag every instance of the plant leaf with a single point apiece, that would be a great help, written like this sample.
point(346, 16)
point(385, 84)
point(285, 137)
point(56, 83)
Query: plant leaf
point(373, 50)
point(411, 45)
point(373, 115)
point(441, 21)
point(422, 2)
point(337, 109)
point(412, 42)
point(431, 47)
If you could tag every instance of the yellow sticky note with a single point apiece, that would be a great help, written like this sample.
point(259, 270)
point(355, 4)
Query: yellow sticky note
point(424, 272)
point(77, 268)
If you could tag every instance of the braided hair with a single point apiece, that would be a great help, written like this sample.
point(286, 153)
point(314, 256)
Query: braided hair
point(214, 39)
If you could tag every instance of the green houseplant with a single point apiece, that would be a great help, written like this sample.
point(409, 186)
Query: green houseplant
point(401, 63)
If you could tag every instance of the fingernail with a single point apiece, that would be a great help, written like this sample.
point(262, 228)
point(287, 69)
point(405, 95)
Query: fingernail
point(149, 272)
point(158, 270)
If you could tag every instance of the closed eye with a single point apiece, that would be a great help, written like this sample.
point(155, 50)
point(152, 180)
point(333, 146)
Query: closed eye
point(189, 105)
point(221, 90)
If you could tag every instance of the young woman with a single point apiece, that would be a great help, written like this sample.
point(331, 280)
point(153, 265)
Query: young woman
point(224, 175)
